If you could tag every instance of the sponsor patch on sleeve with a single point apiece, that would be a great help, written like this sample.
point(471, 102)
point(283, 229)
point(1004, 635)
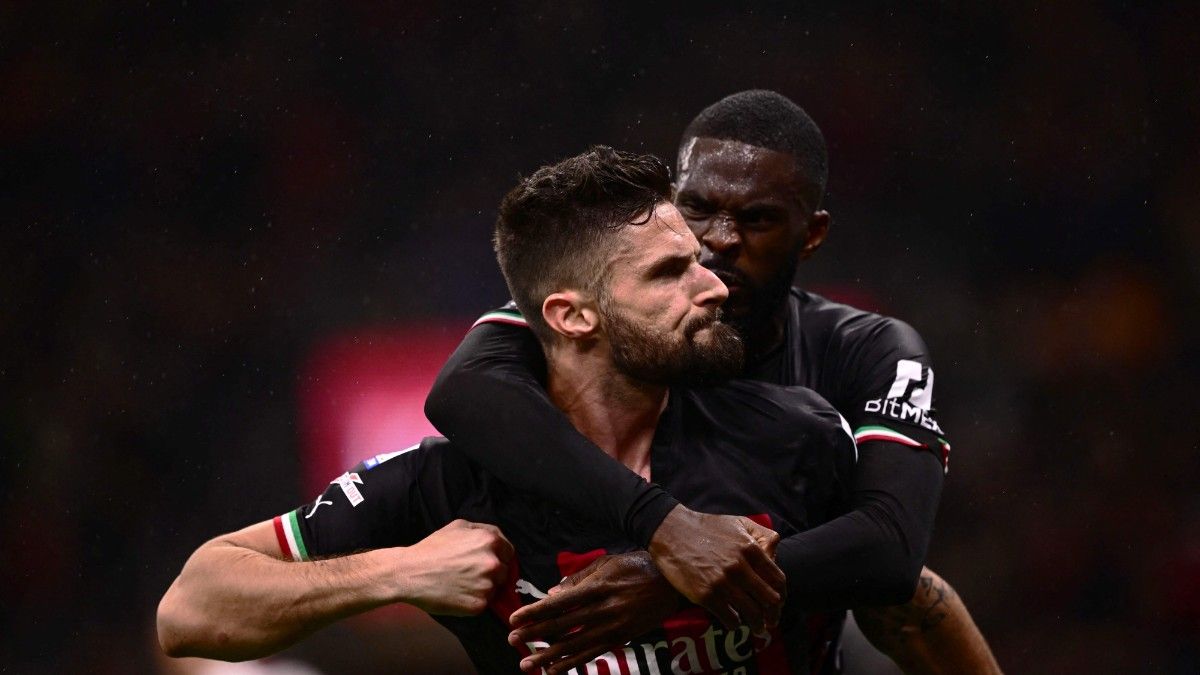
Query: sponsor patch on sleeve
point(910, 398)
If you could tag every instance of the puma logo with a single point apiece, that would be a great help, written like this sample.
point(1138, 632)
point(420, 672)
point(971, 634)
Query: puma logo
point(316, 505)
point(526, 588)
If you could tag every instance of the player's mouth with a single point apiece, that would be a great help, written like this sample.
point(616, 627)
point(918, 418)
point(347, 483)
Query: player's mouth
point(702, 322)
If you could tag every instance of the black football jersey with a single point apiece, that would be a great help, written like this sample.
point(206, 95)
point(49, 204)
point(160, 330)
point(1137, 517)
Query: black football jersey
point(874, 369)
point(779, 455)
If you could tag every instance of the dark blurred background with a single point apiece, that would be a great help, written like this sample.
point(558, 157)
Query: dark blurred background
point(209, 211)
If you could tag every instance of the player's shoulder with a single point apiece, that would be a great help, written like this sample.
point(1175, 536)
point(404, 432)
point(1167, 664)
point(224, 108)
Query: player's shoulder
point(764, 409)
point(434, 459)
point(845, 327)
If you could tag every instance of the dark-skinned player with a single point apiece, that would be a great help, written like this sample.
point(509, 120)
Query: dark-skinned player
point(751, 176)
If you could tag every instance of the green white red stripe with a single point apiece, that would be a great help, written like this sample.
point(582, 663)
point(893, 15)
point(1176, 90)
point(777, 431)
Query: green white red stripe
point(878, 433)
point(513, 318)
point(291, 542)
point(945, 455)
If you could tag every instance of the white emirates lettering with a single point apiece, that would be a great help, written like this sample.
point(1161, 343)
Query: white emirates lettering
point(713, 651)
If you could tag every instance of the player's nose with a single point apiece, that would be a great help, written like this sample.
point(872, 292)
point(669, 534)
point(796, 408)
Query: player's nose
point(721, 237)
point(711, 291)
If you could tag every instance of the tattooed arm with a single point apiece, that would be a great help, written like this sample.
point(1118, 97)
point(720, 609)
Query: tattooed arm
point(932, 634)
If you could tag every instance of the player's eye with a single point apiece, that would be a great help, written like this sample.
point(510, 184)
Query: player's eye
point(675, 267)
point(759, 219)
point(691, 206)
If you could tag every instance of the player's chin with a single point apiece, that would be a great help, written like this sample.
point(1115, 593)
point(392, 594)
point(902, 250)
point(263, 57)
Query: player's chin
point(718, 354)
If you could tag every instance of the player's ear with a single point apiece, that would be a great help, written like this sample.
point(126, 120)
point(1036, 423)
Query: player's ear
point(570, 314)
point(818, 228)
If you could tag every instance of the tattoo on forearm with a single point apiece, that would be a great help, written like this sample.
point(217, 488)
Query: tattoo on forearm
point(933, 598)
point(890, 629)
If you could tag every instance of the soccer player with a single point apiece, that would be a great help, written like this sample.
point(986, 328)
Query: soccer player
point(608, 273)
point(751, 175)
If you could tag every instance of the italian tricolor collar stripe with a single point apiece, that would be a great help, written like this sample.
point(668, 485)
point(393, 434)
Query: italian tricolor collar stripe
point(876, 433)
point(510, 318)
point(287, 532)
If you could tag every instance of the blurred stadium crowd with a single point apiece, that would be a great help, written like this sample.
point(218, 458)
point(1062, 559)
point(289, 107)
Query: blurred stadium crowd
point(194, 198)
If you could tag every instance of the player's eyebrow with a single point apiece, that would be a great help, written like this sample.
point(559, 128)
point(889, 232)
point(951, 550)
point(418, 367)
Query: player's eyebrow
point(766, 204)
point(670, 263)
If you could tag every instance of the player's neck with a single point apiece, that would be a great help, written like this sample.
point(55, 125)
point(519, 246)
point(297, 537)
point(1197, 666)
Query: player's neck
point(617, 413)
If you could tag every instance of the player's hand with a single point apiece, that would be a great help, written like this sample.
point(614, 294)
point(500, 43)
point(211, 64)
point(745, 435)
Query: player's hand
point(455, 570)
point(725, 564)
point(602, 606)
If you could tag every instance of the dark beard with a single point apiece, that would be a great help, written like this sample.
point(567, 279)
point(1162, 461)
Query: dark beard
point(652, 358)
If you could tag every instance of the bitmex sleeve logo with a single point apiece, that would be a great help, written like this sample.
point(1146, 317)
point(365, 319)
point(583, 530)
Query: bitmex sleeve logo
point(910, 398)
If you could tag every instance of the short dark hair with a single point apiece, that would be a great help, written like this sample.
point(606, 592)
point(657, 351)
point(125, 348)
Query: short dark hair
point(769, 120)
point(555, 227)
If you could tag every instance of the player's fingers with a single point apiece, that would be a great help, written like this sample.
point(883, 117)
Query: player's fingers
point(577, 660)
point(500, 545)
point(553, 628)
point(718, 605)
point(554, 606)
point(764, 583)
point(580, 577)
point(503, 548)
point(749, 610)
point(766, 569)
point(575, 579)
point(574, 650)
point(766, 538)
point(768, 604)
point(498, 577)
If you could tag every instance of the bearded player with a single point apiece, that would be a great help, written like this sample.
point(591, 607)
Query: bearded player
point(751, 176)
point(627, 319)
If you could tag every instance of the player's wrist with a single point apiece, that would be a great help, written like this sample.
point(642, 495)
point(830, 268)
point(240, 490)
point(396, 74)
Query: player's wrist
point(392, 577)
point(678, 526)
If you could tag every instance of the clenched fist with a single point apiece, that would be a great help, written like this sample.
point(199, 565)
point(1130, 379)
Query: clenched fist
point(456, 570)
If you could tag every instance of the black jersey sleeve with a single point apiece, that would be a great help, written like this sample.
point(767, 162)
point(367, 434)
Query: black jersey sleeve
point(489, 400)
point(391, 499)
point(877, 372)
point(885, 385)
point(872, 554)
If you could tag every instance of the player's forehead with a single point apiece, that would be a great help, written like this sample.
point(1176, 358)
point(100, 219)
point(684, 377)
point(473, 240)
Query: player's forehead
point(664, 235)
point(716, 168)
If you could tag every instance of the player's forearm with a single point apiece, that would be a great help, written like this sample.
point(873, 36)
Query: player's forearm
point(234, 603)
point(846, 562)
point(931, 634)
point(872, 555)
point(489, 402)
